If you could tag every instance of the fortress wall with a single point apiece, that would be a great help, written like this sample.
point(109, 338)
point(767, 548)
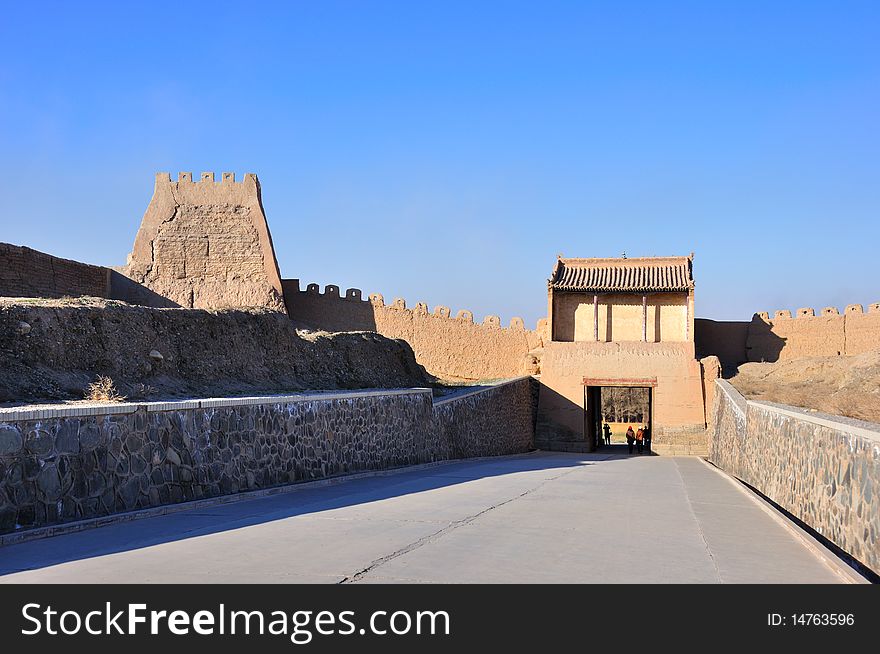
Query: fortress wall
point(823, 469)
point(805, 335)
point(862, 329)
point(59, 465)
point(726, 340)
point(206, 244)
point(786, 336)
point(29, 273)
point(328, 311)
point(452, 347)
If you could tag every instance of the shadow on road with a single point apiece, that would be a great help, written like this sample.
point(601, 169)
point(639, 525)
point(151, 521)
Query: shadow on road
point(146, 532)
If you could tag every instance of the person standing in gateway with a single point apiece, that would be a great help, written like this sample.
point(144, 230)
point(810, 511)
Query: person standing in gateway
point(646, 435)
point(630, 438)
point(640, 436)
point(606, 429)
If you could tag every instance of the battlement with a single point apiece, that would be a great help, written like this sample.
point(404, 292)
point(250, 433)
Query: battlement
point(448, 344)
point(809, 312)
point(804, 333)
point(377, 300)
point(187, 178)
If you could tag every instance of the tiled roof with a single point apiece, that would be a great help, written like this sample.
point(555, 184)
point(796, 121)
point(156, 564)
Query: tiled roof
point(650, 274)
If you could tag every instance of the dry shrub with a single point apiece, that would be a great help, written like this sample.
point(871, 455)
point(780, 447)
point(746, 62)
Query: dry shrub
point(871, 412)
point(103, 389)
point(863, 407)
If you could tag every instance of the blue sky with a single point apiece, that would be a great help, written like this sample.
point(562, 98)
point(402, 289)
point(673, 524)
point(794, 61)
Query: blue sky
point(446, 152)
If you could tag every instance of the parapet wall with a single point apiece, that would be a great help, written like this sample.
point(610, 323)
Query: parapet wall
point(76, 463)
point(786, 336)
point(29, 273)
point(448, 347)
point(206, 244)
point(825, 470)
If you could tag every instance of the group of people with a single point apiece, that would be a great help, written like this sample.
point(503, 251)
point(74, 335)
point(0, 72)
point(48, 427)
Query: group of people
point(641, 438)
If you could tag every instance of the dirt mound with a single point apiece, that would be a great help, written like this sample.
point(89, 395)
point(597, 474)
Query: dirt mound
point(841, 385)
point(53, 349)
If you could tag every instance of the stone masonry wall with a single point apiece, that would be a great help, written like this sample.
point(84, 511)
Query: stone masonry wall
point(73, 463)
point(488, 423)
point(448, 347)
point(823, 469)
point(29, 273)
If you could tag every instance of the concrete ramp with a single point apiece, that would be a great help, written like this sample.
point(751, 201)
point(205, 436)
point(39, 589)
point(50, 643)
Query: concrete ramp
point(544, 517)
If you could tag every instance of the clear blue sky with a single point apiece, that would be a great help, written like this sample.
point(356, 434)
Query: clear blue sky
point(446, 152)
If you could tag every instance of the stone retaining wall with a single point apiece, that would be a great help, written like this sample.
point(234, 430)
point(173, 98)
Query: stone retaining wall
point(79, 462)
point(488, 423)
point(684, 441)
point(823, 469)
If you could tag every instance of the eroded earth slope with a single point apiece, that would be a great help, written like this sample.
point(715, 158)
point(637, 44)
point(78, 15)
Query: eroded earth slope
point(840, 385)
point(53, 349)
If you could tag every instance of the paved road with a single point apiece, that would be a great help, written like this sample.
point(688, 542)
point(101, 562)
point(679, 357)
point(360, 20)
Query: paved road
point(546, 517)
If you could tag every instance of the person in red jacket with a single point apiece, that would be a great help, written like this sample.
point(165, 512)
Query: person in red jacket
point(630, 438)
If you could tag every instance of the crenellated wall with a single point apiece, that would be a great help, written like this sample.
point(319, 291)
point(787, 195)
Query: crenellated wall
point(205, 244)
point(82, 462)
point(786, 336)
point(448, 347)
point(823, 469)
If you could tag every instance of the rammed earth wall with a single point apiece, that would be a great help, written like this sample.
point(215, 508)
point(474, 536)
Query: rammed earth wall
point(205, 244)
point(823, 469)
point(74, 463)
point(451, 347)
point(784, 336)
point(28, 273)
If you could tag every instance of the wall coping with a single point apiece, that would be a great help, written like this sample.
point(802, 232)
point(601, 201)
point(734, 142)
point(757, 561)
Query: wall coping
point(481, 389)
point(862, 428)
point(838, 423)
point(739, 402)
point(43, 412)
point(86, 409)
